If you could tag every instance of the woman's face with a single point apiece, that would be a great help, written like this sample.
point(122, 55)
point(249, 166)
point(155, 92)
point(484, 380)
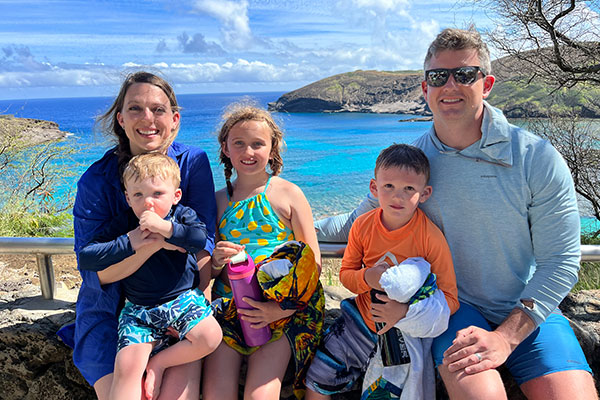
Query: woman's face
point(147, 118)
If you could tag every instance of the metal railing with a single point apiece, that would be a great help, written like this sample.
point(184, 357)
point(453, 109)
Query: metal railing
point(44, 248)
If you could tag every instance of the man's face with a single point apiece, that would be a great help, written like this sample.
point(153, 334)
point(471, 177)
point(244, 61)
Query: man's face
point(453, 101)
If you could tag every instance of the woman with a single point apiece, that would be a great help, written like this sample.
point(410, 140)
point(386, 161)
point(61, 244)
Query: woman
point(143, 118)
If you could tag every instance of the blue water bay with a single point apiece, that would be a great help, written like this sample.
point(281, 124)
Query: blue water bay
point(329, 155)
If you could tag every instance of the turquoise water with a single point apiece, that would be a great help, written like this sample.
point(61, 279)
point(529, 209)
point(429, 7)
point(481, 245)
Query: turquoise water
point(330, 156)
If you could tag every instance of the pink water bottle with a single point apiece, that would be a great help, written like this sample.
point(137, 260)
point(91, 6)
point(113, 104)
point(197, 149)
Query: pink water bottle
point(242, 277)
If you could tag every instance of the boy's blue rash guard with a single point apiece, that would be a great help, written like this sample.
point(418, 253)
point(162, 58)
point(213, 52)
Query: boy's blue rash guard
point(508, 209)
point(100, 198)
point(167, 273)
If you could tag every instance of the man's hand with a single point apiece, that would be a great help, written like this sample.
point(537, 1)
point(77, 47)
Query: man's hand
point(263, 313)
point(389, 312)
point(476, 350)
point(373, 274)
point(150, 221)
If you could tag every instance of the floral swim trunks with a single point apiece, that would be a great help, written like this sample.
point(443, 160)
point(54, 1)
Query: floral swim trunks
point(143, 324)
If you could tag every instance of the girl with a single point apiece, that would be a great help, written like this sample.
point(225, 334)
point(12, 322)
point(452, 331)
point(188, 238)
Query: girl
point(257, 212)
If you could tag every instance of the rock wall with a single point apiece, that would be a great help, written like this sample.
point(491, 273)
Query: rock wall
point(36, 365)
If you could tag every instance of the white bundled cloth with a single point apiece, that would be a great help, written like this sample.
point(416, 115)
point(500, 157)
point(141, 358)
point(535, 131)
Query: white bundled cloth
point(425, 320)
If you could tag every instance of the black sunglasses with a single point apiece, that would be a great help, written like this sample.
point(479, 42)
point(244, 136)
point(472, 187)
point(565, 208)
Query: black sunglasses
point(462, 75)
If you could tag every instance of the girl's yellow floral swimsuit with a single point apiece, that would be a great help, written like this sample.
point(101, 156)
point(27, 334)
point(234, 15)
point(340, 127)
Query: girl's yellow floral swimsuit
point(253, 223)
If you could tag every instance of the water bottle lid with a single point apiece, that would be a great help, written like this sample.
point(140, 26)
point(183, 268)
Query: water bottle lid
point(241, 266)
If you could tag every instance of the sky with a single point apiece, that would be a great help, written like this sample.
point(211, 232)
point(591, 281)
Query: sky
point(83, 48)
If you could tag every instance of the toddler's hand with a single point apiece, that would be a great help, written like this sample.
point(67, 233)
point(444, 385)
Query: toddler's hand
point(373, 274)
point(150, 221)
point(389, 312)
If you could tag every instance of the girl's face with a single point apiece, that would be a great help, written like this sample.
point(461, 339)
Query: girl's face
point(147, 118)
point(248, 146)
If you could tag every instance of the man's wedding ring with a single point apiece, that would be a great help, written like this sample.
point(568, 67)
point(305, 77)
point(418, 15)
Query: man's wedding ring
point(479, 358)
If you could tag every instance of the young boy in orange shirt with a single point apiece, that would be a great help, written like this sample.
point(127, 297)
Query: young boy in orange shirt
point(384, 245)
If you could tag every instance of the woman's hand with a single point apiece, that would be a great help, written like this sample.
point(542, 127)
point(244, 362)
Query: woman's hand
point(263, 313)
point(223, 252)
point(140, 238)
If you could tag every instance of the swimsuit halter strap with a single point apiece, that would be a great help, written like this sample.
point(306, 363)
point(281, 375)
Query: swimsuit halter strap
point(264, 191)
point(267, 185)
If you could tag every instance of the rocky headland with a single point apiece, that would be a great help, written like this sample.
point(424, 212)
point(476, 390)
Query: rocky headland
point(29, 131)
point(358, 91)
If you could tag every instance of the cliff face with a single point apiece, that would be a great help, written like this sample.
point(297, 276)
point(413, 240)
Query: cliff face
point(359, 91)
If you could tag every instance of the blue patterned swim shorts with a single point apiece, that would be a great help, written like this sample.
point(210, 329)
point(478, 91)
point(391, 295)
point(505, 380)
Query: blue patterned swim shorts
point(143, 324)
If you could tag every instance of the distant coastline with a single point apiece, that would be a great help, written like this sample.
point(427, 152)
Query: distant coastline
point(399, 92)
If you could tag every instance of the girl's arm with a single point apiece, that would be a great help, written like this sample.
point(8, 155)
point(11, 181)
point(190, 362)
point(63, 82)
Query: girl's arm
point(224, 250)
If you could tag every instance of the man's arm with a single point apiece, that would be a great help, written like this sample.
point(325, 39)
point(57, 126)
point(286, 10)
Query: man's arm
point(337, 228)
point(555, 234)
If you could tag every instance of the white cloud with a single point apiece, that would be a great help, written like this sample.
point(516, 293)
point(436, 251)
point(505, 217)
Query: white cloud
point(178, 73)
point(234, 18)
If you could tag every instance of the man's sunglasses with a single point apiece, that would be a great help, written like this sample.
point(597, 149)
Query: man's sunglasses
point(462, 75)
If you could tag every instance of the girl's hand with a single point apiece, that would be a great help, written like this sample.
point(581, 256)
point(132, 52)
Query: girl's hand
point(263, 313)
point(389, 312)
point(224, 251)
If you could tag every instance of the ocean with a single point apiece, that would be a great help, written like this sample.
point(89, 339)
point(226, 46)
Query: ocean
point(330, 156)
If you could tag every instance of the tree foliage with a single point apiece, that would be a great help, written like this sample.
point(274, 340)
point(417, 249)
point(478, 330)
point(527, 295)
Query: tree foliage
point(554, 40)
point(578, 141)
point(34, 182)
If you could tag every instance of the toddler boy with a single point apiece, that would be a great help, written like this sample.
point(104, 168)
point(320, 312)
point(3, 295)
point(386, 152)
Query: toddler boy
point(159, 282)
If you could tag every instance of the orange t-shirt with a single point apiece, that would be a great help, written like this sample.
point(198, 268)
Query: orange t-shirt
point(369, 243)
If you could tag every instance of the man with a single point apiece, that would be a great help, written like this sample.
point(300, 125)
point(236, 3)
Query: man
point(505, 200)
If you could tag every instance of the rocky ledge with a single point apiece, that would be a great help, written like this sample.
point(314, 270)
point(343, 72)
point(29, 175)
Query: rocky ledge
point(36, 365)
point(29, 131)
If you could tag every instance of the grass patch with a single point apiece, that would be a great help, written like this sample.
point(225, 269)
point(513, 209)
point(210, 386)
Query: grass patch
point(589, 274)
point(21, 223)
